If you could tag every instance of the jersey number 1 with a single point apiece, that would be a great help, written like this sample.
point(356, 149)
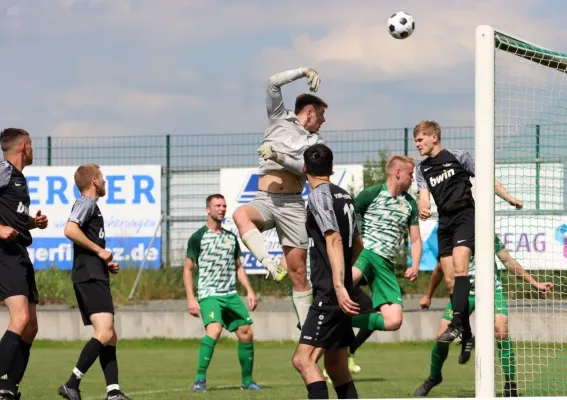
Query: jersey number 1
point(349, 212)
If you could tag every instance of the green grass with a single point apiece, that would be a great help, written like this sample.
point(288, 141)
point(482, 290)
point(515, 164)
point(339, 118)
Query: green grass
point(164, 369)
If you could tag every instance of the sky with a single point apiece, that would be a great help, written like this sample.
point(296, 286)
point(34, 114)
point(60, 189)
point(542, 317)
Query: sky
point(183, 67)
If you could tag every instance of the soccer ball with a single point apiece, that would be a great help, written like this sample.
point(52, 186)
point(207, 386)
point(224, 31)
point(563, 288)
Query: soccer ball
point(401, 25)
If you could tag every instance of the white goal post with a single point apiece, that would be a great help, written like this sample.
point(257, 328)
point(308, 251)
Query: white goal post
point(521, 123)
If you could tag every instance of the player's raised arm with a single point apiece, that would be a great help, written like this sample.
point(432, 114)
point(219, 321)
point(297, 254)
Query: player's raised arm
point(274, 99)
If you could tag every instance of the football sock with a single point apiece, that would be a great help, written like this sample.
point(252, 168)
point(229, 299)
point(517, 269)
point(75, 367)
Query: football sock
point(20, 364)
point(346, 391)
point(206, 350)
point(438, 357)
point(507, 358)
point(460, 298)
point(109, 365)
point(246, 358)
point(361, 337)
point(254, 241)
point(9, 348)
point(302, 302)
point(88, 356)
point(317, 390)
point(373, 322)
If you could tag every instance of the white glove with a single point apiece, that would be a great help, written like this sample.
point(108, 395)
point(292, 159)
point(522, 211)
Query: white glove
point(313, 79)
point(267, 153)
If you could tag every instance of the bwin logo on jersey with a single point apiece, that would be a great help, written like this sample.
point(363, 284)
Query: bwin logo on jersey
point(435, 180)
point(22, 209)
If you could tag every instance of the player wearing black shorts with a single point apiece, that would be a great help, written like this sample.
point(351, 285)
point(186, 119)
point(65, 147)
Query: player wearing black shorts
point(335, 243)
point(446, 174)
point(91, 266)
point(18, 288)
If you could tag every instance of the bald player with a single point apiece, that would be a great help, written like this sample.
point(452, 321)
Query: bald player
point(279, 202)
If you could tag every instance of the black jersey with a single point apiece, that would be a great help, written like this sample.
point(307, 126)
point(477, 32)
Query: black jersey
point(86, 264)
point(330, 208)
point(15, 202)
point(447, 176)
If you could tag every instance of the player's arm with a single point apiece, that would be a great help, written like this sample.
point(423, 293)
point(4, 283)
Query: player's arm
point(274, 99)
point(514, 266)
point(6, 232)
point(82, 211)
point(434, 282)
point(189, 265)
point(424, 203)
point(363, 200)
point(415, 239)
point(501, 192)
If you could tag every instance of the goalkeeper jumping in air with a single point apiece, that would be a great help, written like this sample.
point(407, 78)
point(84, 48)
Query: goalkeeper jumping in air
point(503, 341)
point(279, 202)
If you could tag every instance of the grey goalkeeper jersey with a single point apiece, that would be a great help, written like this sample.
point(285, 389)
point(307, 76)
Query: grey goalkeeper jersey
point(285, 133)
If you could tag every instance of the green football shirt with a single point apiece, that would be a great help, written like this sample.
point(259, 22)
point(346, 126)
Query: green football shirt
point(215, 255)
point(498, 247)
point(384, 219)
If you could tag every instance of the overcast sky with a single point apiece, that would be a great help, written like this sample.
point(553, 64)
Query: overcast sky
point(141, 67)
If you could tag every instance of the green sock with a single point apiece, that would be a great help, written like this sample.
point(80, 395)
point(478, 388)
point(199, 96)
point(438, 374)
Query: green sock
point(438, 357)
point(507, 358)
point(246, 358)
point(373, 321)
point(206, 350)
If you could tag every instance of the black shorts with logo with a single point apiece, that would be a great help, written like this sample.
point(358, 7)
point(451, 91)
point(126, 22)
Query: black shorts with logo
point(328, 327)
point(93, 296)
point(17, 276)
point(456, 229)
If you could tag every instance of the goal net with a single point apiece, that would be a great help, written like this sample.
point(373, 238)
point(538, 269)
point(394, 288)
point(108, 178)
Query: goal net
point(521, 140)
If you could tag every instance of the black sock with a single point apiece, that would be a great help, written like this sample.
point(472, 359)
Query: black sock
point(9, 346)
point(467, 330)
point(460, 299)
point(109, 365)
point(317, 390)
point(20, 364)
point(346, 391)
point(87, 358)
point(361, 337)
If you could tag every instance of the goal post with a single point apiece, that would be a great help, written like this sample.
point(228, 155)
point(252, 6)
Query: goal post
point(521, 140)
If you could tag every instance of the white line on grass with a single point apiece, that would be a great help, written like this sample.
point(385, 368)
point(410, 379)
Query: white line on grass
point(165, 391)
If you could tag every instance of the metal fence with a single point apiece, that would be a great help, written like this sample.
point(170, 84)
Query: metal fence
point(191, 163)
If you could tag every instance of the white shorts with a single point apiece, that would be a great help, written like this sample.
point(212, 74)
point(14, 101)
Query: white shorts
point(285, 212)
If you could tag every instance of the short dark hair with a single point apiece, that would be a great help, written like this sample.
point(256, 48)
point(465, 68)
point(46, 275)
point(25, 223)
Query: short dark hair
point(213, 196)
point(306, 99)
point(9, 135)
point(318, 160)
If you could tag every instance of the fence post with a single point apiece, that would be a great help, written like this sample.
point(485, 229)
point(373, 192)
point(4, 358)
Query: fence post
point(406, 144)
point(538, 166)
point(167, 198)
point(49, 151)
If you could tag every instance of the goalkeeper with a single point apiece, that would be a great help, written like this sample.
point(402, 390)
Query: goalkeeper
point(503, 341)
point(279, 202)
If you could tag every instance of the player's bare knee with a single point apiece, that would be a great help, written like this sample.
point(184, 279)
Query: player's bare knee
point(214, 330)
point(104, 334)
point(500, 332)
point(245, 334)
point(393, 323)
point(31, 330)
point(300, 362)
point(19, 321)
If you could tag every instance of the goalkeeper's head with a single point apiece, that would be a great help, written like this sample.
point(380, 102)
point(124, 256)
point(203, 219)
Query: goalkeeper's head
point(427, 136)
point(310, 111)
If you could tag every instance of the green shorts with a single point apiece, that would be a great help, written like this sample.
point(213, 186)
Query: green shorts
point(229, 311)
point(500, 305)
point(379, 273)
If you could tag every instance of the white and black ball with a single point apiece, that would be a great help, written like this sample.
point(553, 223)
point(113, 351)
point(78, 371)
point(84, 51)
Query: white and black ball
point(401, 25)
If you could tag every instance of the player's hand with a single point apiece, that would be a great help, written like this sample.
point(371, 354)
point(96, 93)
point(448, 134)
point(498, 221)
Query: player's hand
point(113, 267)
point(40, 220)
point(348, 306)
point(194, 307)
point(267, 153)
point(313, 79)
point(425, 302)
point(105, 255)
point(411, 274)
point(516, 203)
point(424, 213)
point(252, 300)
point(544, 287)
point(8, 233)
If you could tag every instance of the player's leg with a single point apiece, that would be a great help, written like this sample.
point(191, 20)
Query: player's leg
point(305, 361)
point(290, 224)
point(211, 313)
point(438, 356)
point(251, 220)
point(467, 345)
point(504, 345)
point(336, 365)
point(97, 310)
point(237, 319)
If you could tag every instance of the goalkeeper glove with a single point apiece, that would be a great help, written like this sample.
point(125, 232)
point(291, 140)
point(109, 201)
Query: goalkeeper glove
point(267, 153)
point(313, 79)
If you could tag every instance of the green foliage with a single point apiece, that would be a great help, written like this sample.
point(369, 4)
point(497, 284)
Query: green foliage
point(375, 170)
